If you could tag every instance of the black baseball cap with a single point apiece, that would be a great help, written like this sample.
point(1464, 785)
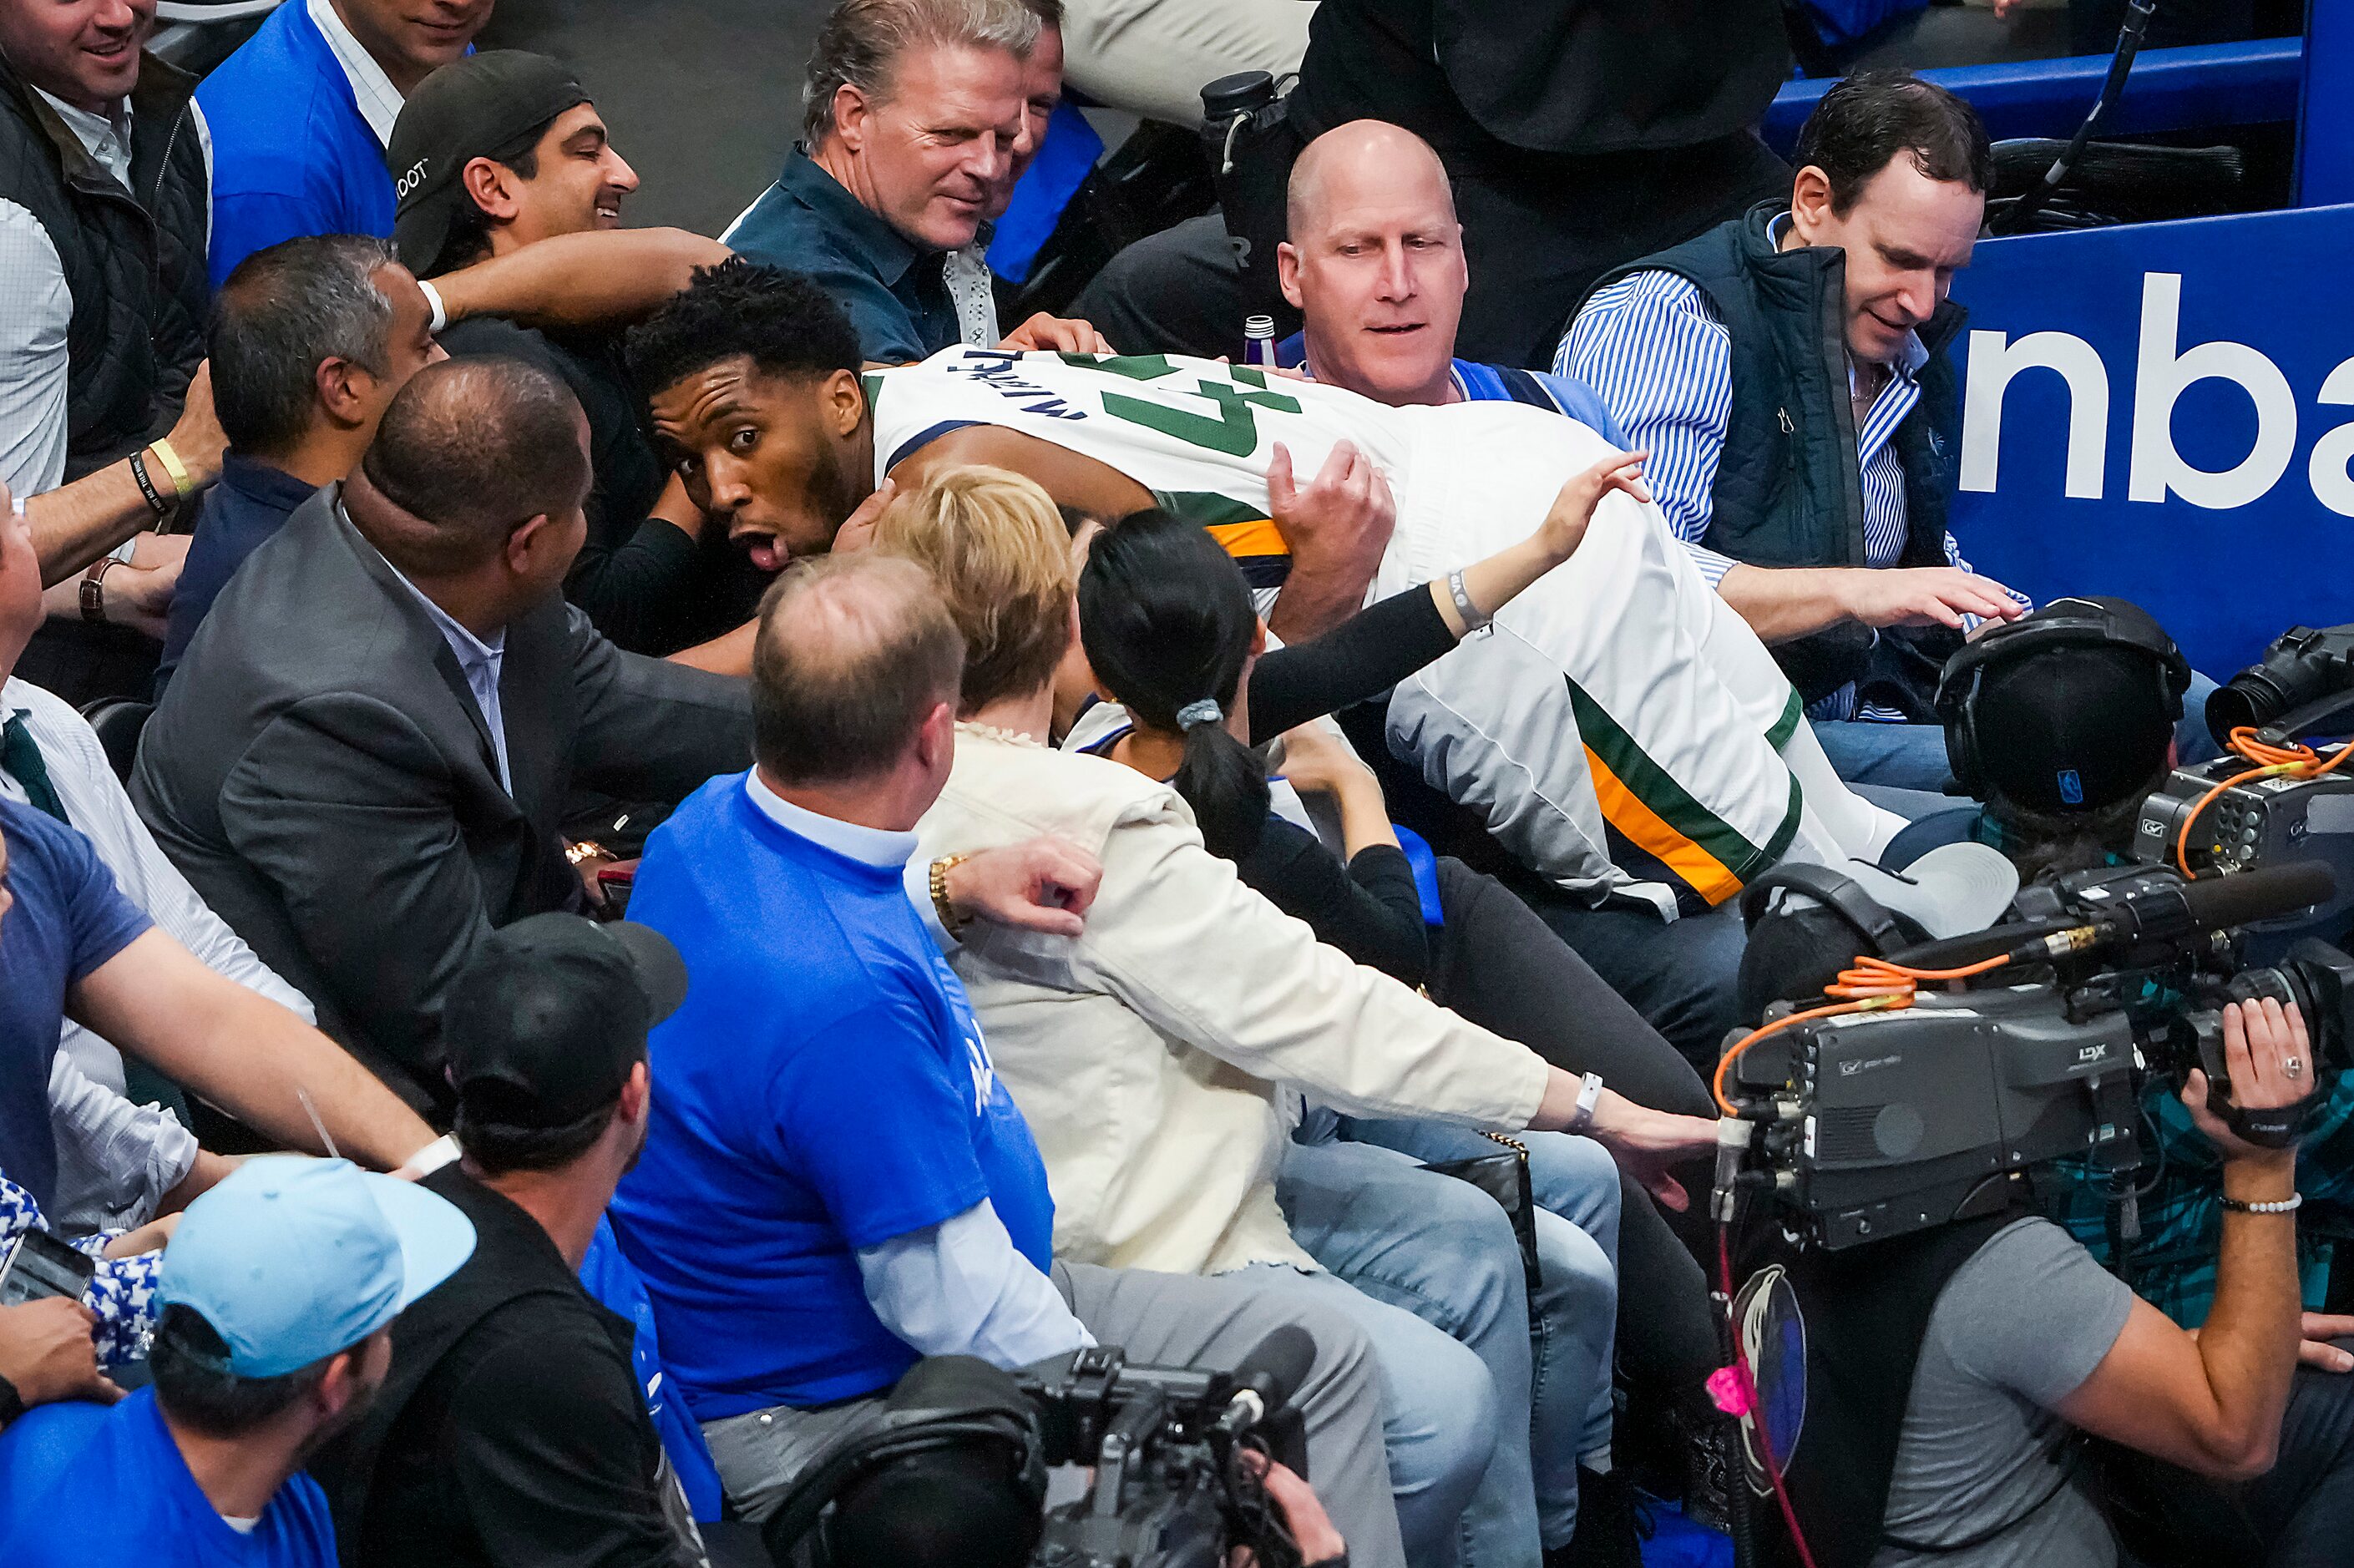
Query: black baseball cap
point(545, 1023)
point(2071, 726)
point(466, 110)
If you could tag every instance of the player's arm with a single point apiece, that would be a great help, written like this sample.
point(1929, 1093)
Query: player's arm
point(1083, 484)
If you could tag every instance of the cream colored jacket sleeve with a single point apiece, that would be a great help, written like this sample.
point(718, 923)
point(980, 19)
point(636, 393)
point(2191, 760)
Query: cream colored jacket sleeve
point(1182, 942)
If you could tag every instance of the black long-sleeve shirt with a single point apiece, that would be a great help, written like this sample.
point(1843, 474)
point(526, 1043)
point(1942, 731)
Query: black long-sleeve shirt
point(1363, 657)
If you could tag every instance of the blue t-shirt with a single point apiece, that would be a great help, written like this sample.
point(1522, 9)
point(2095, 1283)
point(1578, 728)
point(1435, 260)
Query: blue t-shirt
point(67, 919)
point(291, 152)
point(824, 1088)
point(93, 1485)
point(607, 1273)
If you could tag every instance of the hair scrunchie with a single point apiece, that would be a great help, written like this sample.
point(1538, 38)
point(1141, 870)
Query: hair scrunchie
point(1201, 713)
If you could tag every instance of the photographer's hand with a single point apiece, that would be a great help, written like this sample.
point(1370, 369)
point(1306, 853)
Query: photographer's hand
point(1312, 1527)
point(2270, 1060)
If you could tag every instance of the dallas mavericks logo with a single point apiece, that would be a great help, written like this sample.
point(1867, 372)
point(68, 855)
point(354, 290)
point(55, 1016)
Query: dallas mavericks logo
point(984, 1074)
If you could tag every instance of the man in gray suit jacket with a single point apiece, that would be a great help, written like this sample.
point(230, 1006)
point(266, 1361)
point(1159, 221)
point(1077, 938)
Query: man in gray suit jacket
point(365, 755)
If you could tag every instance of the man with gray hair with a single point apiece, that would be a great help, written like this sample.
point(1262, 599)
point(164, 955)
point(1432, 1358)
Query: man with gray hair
point(916, 111)
point(313, 337)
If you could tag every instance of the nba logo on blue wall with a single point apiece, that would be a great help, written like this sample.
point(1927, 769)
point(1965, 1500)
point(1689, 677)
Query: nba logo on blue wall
point(2071, 788)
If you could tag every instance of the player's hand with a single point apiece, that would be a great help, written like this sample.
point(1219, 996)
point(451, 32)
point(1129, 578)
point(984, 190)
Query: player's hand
point(1340, 521)
point(1924, 596)
point(196, 434)
point(1062, 334)
point(857, 531)
point(2262, 1041)
point(1565, 526)
point(47, 1354)
point(1042, 884)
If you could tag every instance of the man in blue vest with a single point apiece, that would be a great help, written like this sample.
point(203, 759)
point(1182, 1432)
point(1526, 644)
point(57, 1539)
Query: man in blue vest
point(301, 113)
point(1809, 473)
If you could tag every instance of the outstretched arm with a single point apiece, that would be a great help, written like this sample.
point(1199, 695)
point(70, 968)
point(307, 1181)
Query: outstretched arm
point(581, 280)
point(244, 1053)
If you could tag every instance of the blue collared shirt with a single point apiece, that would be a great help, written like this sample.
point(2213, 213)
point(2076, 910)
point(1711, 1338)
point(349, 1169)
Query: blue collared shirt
point(237, 516)
point(891, 288)
point(483, 663)
point(1662, 358)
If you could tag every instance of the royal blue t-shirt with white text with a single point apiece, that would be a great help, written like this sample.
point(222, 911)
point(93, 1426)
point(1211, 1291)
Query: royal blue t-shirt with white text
point(824, 1088)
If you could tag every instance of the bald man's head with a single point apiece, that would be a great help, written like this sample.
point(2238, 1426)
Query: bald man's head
point(1363, 159)
point(855, 656)
point(1374, 262)
point(472, 450)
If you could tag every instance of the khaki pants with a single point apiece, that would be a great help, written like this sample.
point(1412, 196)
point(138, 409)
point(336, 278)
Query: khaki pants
point(1153, 57)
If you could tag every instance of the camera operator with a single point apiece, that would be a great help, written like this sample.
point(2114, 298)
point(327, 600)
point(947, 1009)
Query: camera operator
point(2031, 1340)
point(2061, 724)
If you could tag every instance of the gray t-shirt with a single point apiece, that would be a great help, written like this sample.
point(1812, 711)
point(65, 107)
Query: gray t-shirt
point(2016, 1329)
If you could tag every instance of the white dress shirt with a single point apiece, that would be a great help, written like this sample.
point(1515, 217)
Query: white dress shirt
point(120, 1153)
point(959, 1288)
point(36, 306)
point(379, 101)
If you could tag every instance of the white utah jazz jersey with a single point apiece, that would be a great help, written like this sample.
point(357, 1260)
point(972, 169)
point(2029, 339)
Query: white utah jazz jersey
point(1198, 434)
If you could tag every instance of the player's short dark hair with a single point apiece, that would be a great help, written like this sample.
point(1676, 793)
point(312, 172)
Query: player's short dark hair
point(1866, 121)
point(785, 323)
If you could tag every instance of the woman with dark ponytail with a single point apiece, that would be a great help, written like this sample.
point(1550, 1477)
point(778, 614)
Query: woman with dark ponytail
point(1167, 625)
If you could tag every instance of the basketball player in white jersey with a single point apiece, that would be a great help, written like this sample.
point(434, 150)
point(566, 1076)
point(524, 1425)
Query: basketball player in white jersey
point(1618, 729)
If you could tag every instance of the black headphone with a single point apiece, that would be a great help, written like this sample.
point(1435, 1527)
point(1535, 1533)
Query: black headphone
point(2062, 623)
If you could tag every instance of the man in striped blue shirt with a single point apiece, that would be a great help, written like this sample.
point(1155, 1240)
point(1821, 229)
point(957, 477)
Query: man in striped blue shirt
point(1808, 480)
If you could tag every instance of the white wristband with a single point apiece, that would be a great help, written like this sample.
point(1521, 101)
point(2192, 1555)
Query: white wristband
point(1589, 1094)
point(434, 298)
point(441, 1152)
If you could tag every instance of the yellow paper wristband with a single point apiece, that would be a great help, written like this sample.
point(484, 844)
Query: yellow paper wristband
point(173, 466)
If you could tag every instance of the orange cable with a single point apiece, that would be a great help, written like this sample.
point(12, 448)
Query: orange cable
point(2272, 761)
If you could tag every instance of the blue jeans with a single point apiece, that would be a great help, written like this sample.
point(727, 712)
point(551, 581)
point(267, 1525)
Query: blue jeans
point(1682, 975)
point(1573, 1320)
point(1444, 1251)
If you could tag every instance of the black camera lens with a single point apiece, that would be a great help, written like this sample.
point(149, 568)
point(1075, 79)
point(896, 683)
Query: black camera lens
point(2302, 666)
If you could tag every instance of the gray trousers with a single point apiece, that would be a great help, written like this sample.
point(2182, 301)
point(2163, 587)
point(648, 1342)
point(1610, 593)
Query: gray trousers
point(1158, 1319)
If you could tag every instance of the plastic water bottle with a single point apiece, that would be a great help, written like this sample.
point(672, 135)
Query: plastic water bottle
point(1259, 342)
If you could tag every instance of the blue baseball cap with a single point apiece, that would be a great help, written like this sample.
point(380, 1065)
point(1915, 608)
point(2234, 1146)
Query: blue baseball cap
point(291, 1259)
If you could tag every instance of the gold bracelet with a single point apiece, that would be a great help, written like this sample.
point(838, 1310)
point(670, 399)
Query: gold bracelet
point(181, 480)
point(950, 920)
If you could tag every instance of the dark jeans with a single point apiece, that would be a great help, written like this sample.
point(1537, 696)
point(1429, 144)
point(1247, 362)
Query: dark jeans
point(1500, 966)
point(2298, 1514)
point(1538, 230)
point(1680, 975)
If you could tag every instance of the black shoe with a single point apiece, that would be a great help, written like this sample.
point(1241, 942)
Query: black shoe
point(1607, 1535)
point(1712, 1467)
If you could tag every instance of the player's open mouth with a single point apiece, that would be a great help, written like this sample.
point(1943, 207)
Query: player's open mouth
point(765, 552)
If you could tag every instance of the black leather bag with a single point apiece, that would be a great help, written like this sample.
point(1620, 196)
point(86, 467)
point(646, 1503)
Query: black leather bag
point(1504, 1176)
